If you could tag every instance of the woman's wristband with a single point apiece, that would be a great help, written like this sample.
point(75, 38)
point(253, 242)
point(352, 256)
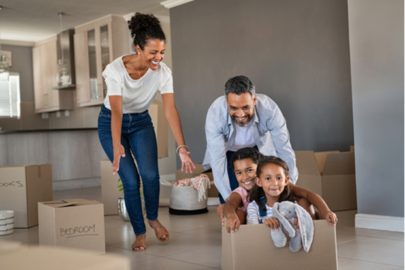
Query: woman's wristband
point(177, 150)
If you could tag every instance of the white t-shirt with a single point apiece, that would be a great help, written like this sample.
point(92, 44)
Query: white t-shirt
point(243, 136)
point(137, 95)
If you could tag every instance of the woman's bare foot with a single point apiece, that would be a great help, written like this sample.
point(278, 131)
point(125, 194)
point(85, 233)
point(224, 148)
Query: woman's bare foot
point(139, 243)
point(161, 233)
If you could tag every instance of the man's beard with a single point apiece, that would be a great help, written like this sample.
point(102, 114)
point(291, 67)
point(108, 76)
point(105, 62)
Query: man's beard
point(242, 124)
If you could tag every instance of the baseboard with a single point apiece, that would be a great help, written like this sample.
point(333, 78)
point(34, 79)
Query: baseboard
point(76, 183)
point(377, 222)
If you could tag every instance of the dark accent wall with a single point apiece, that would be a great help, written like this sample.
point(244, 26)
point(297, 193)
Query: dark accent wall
point(296, 52)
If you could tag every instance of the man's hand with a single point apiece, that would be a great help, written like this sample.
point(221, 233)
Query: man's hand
point(232, 224)
point(220, 211)
point(272, 223)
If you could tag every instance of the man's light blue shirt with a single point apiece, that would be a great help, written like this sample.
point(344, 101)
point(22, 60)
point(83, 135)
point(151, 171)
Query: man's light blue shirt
point(269, 130)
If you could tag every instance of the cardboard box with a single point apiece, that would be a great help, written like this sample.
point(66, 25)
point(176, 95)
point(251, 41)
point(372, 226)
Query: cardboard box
point(157, 113)
point(21, 188)
point(73, 223)
point(17, 257)
point(213, 191)
point(251, 247)
point(109, 191)
point(329, 174)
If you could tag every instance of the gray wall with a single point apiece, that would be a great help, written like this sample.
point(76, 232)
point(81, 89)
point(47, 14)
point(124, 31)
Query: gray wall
point(296, 52)
point(377, 67)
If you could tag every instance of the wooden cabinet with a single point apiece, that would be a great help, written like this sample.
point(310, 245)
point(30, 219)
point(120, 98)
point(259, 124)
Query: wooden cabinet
point(96, 45)
point(44, 54)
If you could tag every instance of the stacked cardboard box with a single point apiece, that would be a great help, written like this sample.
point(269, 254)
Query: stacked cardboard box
point(21, 188)
point(329, 174)
point(251, 247)
point(73, 223)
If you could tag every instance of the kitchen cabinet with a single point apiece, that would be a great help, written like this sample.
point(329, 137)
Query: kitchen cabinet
point(44, 54)
point(96, 45)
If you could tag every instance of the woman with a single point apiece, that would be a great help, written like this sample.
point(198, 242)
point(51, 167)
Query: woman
point(125, 127)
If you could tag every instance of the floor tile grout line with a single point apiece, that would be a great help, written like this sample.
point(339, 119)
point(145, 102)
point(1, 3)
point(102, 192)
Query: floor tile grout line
point(166, 256)
point(190, 262)
point(369, 261)
point(349, 240)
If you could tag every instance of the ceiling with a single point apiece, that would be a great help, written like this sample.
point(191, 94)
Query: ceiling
point(33, 20)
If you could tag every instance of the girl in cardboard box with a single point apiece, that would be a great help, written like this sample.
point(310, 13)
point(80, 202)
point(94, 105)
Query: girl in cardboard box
point(243, 199)
point(125, 127)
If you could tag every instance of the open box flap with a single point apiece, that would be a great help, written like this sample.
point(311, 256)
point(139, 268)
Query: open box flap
point(306, 163)
point(321, 158)
point(339, 163)
point(69, 202)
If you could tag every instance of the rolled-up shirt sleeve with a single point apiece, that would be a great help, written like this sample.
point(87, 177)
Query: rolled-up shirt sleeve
point(217, 151)
point(112, 80)
point(281, 140)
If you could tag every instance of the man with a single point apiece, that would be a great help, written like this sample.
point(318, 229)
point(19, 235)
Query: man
point(241, 119)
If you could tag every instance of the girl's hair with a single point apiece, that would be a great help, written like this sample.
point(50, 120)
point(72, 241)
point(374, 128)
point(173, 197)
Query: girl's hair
point(144, 27)
point(257, 192)
point(247, 152)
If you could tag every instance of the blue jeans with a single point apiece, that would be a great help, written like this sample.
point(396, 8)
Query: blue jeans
point(138, 139)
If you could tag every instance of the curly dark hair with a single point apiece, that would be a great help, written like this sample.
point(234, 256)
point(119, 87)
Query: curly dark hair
point(247, 152)
point(144, 27)
point(257, 192)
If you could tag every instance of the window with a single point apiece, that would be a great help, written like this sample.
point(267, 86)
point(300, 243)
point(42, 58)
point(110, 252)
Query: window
point(10, 96)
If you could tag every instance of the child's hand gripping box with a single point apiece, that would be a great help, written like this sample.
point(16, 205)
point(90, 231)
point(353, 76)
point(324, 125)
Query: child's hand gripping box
point(251, 247)
point(330, 175)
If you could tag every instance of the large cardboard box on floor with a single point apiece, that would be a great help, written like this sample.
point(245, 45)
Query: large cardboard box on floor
point(331, 175)
point(73, 223)
point(21, 188)
point(251, 247)
point(157, 113)
point(14, 256)
point(213, 191)
point(109, 191)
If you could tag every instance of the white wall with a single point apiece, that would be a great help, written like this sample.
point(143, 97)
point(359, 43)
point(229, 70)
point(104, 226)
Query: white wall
point(376, 34)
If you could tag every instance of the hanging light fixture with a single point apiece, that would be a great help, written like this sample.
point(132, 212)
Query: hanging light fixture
point(4, 61)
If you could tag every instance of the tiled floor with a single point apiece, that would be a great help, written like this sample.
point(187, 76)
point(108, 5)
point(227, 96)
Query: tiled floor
point(195, 241)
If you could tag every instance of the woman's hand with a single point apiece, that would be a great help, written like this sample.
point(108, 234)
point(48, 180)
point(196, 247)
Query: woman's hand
point(272, 223)
point(119, 152)
point(186, 161)
point(232, 224)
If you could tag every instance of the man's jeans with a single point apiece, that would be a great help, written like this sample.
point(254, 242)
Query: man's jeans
point(137, 138)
